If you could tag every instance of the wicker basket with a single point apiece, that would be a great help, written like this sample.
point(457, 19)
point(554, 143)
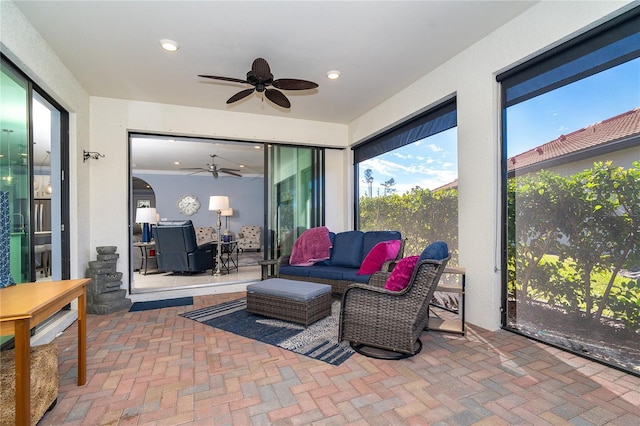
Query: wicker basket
point(44, 383)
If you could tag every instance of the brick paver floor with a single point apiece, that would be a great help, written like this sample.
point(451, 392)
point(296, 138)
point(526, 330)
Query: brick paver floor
point(157, 368)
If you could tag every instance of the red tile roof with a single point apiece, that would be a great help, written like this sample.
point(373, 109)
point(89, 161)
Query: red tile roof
point(604, 132)
point(607, 131)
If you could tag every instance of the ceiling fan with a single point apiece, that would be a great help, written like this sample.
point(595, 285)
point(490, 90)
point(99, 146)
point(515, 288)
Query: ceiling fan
point(213, 169)
point(260, 78)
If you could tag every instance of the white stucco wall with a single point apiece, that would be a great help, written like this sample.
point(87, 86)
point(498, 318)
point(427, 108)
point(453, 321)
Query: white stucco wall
point(471, 75)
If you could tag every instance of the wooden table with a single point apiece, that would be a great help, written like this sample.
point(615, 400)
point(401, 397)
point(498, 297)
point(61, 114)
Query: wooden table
point(24, 306)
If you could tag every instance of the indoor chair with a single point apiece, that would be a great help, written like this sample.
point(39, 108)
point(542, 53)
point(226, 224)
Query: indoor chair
point(177, 249)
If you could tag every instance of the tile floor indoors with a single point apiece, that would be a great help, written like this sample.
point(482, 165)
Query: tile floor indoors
point(157, 368)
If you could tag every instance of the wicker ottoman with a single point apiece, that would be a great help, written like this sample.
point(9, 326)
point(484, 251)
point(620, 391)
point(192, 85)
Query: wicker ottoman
point(296, 301)
point(44, 383)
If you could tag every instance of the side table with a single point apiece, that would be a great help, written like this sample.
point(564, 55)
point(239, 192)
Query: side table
point(227, 251)
point(145, 250)
point(269, 268)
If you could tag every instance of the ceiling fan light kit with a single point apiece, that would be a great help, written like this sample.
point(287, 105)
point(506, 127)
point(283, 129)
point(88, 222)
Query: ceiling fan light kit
point(260, 78)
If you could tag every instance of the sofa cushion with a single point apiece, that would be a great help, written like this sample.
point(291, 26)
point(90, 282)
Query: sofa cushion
point(300, 271)
point(351, 274)
point(437, 250)
point(328, 272)
point(347, 249)
point(380, 253)
point(371, 238)
point(401, 274)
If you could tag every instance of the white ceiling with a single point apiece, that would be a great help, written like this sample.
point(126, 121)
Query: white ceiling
point(380, 48)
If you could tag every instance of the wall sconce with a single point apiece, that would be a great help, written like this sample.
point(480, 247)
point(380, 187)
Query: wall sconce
point(89, 154)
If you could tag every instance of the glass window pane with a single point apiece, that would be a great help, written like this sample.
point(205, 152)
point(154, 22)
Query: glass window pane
point(413, 189)
point(573, 216)
point(15, 178)
point(295, 193)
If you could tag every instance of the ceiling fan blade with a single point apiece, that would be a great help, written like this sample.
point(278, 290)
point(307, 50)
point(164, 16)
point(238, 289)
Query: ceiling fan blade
point(192, 168)
point(260, 69)
point(240, 95)
point(277, 98)
point(195, 173)
point(227, 171)
point(293, 84)
point(215, 77)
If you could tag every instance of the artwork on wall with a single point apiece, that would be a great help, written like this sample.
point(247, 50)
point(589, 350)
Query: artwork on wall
point(144, 203)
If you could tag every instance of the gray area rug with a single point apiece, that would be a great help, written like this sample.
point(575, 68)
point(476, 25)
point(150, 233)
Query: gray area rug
point(318, 341)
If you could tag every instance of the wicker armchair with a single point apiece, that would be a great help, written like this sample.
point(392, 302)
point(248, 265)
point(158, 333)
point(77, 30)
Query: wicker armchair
point(373, 318)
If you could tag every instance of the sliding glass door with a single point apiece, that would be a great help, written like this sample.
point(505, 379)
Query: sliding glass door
point(15, 182)
point(294, 195)
point(33, 160)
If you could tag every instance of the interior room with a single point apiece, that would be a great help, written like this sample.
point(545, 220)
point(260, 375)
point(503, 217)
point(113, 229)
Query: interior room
point(162, 167)
point(509, 130)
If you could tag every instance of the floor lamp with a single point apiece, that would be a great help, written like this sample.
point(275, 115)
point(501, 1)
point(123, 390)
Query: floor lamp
point(217, 203)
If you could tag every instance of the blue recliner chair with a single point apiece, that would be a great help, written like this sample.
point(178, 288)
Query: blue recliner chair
point(177, 249)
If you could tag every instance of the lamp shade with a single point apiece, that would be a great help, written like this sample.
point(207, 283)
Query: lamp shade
point(218, 202)
point(146, 215)
point(226, 212)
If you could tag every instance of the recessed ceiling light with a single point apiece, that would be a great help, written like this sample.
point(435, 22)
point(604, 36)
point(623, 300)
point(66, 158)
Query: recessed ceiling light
point(169, 45)
point(333, 74)
point(242, 166)
point(177, 163)
point(257, 146)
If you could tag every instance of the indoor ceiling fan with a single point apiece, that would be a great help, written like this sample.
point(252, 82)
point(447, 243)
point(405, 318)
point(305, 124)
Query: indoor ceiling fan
point(213, 169)
point(260, 78)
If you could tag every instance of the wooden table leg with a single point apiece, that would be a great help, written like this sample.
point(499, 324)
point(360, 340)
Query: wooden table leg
point(23, 373)
point(82, 337)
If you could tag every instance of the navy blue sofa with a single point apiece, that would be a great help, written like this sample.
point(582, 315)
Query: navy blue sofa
point(341, 270)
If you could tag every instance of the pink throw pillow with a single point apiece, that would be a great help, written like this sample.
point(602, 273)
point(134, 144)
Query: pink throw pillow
point(380, 253)
point(401, 274)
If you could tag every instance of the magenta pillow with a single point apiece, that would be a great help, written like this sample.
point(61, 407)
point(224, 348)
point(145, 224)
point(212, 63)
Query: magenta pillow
point(401, 274)
point(380, 253)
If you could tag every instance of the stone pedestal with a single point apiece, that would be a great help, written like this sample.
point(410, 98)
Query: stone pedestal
point(104, 294)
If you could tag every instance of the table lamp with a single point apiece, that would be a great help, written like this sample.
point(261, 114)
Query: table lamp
point(147, 216)
point(226, 213)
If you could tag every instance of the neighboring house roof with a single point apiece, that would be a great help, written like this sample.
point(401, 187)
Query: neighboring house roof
point(598, 135)
point(605, 132)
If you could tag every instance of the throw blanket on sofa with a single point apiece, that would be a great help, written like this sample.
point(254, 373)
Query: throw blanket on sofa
point(312, 246)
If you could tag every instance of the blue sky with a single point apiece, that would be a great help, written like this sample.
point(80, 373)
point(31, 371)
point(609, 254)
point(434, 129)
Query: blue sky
point(433, 162)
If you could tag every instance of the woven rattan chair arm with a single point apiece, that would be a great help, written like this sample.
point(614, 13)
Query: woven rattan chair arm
point(379, 279)
point(388, 266)
point(359, 287)
point(284, 260)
